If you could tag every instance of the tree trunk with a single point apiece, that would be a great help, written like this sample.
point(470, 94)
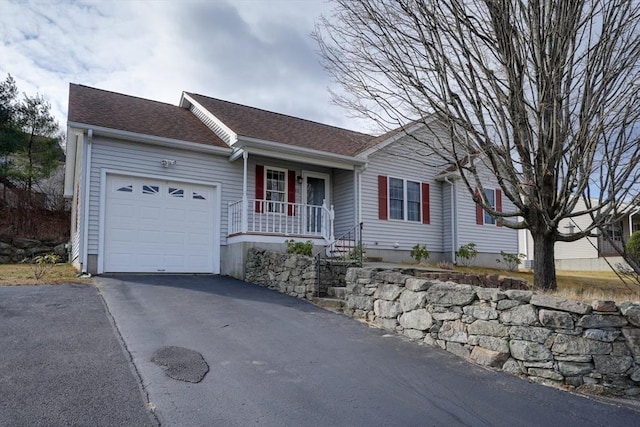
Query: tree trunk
point(544, 271)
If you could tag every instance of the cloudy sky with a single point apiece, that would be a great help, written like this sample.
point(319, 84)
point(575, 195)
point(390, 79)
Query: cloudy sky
point(253, 52)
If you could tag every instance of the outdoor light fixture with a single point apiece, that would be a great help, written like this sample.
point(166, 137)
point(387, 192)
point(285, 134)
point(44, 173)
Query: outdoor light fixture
point(299, 179)
point(166, 163)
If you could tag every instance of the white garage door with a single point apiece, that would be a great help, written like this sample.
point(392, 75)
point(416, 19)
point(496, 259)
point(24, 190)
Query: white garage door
point(158, 226)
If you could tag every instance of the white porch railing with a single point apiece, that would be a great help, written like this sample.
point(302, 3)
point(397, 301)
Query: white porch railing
point(280, 218)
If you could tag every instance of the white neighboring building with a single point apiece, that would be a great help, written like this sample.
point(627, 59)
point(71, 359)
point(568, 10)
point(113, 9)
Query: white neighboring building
point(589, 253)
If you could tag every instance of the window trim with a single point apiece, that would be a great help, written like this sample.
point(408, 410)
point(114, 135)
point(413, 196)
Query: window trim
point(282, 209)
point(482, 214)
point(405, 200)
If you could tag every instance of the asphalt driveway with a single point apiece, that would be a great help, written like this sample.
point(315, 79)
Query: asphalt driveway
point(274, 360)
point(61, 363)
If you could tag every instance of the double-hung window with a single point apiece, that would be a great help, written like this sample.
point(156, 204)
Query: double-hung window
point(276, 190)
point(494, 199)
point(490, 195)
point(404, 200)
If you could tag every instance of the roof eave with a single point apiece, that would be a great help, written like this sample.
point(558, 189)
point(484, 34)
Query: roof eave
point(150, 139)
point(295, 153)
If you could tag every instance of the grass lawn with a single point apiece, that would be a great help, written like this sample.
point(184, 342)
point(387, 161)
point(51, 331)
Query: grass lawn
point(581, 285)
point(23, 274)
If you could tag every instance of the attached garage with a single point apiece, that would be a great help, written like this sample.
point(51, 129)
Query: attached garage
point(159, 226)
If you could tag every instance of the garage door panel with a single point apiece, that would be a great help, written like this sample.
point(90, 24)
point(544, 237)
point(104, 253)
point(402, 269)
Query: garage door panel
point(158, 226)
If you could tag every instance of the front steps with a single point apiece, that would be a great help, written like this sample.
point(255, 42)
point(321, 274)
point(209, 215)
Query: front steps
point(334, 300)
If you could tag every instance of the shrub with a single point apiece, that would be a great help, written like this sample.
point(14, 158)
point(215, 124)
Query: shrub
point(42, 264)
point(466, 254)
point(299, 248)
point(356, 253)
point(633, 246)
point(512, 261)
point(419, 252)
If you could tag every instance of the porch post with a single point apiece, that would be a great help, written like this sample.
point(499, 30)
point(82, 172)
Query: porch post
point(245, 201)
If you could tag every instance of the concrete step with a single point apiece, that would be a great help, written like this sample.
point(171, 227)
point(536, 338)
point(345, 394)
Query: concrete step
point(333, 304)
point(337, 292)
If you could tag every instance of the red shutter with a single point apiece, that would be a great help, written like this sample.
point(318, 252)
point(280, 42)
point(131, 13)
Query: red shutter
point(499, 206)
point(259, 187)
point(479, 211)
point(382, 197)
point(426, 214)
point(291, 193)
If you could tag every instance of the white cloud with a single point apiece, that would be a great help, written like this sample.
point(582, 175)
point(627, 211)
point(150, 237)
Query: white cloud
point(258, 53)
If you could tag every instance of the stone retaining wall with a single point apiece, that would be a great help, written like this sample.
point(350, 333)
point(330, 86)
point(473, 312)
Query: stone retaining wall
point(593, 348)
point(13, 250)
point(294, 275)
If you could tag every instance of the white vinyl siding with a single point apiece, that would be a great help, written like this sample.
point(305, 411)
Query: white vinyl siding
point(489, 239)
point(399, 159)
point(583, 248)
point(146, 159)
point(344, 198)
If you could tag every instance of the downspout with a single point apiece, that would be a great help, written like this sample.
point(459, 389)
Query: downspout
point(631, 215)
point(87, 192)
point(454, 222)
point(356, 192)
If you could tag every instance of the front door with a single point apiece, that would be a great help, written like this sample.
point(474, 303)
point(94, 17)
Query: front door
point(315, 193)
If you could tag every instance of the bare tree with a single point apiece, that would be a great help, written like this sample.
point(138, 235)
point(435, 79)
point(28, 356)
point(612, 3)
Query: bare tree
point(543, 93)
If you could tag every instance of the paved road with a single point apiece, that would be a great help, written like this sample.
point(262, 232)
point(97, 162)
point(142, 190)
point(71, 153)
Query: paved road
point(278, 361)
point(61, 363)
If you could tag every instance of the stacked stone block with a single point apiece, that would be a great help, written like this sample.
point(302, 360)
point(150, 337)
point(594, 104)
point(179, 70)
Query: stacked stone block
point(594, 348)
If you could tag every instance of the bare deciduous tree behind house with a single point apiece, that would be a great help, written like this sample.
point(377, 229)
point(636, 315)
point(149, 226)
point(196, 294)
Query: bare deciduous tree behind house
point(545, 94)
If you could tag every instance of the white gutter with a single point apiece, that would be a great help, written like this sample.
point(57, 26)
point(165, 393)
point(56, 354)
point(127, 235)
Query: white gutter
point(154, 140)
point(631, 215)
point(87, 192)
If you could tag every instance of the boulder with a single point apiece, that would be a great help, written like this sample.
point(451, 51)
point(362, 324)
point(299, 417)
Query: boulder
point(612, 364)
point(22, 243)
point(574, 368)
point(417, 319)
point(410, 300)
point(520, 315)
point(606, 306)
point(601, 335)
point(602, 321)
point(386, 309)
point(388, 292)
point(453, 330)
point(487, 327)
point(484, 311)
point(556, 319)
point(558, 303)
point(631, 311)
point(486, 357)
point(417, 285)
point(448, 294)
point(529, 351)
point(535, 334)
point(570, 344)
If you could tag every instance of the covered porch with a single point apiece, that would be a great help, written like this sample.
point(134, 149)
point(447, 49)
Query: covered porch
point(267, 217)
point(288, 196)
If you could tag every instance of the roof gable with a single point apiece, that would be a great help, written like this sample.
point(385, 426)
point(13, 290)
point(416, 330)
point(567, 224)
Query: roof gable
point(251, 122)
point(113, 110)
